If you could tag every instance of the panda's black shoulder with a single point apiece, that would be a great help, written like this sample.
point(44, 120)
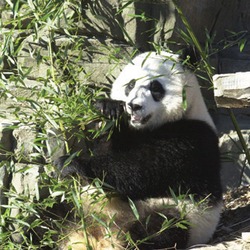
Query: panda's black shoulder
point(198, 133)
point(185, 127)
point(194, 131)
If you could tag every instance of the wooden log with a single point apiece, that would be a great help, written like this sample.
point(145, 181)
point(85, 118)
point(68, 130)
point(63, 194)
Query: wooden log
point(232, 90)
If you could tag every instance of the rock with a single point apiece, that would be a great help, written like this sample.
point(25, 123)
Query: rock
point(25, 185)
point(55, 144)
point(232, 90)
point(227, 245)
point(6, 138)
point(100, 19)
point(24, 146)
point(95, 63)
point(233, 160)
point(4, 185)
point(25, 179)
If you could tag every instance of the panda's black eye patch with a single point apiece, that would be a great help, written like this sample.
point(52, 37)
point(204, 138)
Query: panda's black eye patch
point(129, 86)
point(157, 91)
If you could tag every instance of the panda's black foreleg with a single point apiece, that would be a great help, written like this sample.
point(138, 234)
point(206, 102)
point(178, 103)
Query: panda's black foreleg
point(67, 166)
point(148, 233)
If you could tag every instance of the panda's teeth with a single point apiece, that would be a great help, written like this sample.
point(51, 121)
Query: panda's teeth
point(136, 118)
point(139, 119)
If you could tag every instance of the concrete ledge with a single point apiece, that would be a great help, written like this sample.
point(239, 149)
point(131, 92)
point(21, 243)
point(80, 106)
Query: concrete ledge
point(232, 90)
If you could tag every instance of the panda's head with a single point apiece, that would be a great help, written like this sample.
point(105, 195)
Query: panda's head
point(153, 88)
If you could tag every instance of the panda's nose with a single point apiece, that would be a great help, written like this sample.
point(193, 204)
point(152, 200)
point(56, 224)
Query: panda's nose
point(134, 107)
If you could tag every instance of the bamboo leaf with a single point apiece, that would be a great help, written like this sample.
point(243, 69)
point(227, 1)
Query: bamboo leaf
point(134, 209)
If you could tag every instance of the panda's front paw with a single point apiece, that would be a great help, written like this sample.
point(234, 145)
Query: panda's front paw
point(110, 108)
point(67, 166)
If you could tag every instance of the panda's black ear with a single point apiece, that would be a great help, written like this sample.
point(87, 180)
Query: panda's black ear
point(190, 56)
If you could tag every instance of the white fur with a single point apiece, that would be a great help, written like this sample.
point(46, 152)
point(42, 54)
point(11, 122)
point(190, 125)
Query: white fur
point(167, 69)
point(202, 218)
point(203, 223)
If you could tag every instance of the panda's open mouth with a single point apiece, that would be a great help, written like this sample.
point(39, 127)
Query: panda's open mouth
point(139, 120)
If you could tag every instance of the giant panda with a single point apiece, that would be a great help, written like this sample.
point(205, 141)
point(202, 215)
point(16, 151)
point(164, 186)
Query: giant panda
point(164, 148)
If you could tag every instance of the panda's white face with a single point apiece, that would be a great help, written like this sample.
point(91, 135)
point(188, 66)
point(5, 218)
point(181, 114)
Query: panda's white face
point(152, 87)
point(149, 105)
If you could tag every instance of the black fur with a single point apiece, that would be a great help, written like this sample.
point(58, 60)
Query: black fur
point(157, 91)
point(129, 86)
point(192, 55)
point(110, 108)
point(149, 230)
point(141, 164)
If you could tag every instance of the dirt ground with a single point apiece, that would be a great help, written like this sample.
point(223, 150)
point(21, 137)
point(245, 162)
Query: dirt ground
point(233, 232)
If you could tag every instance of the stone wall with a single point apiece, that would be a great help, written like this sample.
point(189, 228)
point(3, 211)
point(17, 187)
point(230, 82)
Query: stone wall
point(110, 36)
